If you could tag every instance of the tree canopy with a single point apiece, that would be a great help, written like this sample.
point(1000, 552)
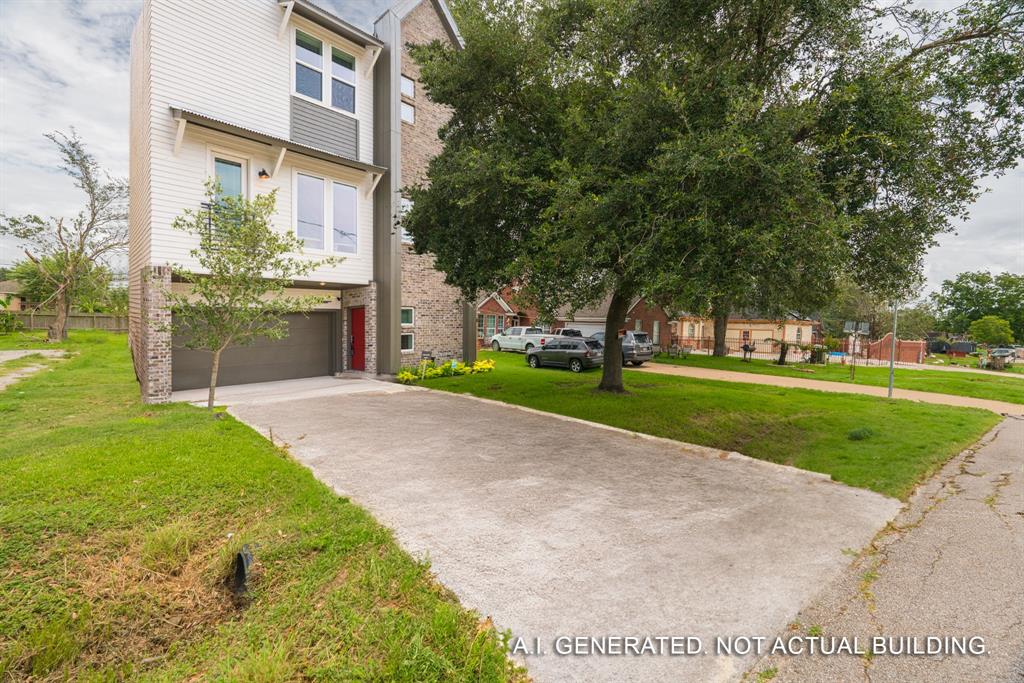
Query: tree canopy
point(712, 153)
point(67, 252)
point(991, 330)
point(971, 296)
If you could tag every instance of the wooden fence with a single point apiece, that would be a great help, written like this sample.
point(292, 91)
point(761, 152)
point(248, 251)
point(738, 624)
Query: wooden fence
point(76, 321)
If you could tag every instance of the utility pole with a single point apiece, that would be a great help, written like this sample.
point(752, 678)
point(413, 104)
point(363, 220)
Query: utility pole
point(892, 349)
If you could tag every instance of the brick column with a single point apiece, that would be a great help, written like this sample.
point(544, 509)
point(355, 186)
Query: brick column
point(367, 298)
point(155, 336)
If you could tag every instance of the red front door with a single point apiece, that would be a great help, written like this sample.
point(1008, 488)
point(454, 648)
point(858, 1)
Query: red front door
point(357, 343)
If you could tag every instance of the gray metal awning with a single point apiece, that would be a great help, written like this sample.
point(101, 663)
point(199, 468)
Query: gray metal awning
point(331, 22)
point(184, 115)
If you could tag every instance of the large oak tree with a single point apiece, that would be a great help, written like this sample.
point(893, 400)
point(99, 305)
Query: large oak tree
point(710, 153)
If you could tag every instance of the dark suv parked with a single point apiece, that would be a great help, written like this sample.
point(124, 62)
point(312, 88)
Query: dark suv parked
point(568, 352)
point(637, 347)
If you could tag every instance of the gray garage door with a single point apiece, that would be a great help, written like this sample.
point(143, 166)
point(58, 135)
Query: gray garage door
point(305, 352)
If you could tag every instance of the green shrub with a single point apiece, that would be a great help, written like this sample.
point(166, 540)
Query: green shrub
point(860, 434)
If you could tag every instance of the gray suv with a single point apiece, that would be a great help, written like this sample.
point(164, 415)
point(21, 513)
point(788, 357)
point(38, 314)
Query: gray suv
point(637, 347)
point(567, 352)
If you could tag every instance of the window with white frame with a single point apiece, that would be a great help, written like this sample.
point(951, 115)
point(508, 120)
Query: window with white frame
point(638, 324)
point(408, 87)
point(343, 81)
point(338, 88)
point(309, 214)
point(408, 316)
point(691, 330)
point(405, 206)
point(408, 342)
point(309, 66)
point(479, 326)
point(408, 113)
point(325, 207)
point(657, 332)
point(230, 176)
point(799, 334)
point(345, 224)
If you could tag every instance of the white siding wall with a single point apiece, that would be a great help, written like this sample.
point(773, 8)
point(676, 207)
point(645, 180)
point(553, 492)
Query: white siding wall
point(225, 59)
point(138, 170)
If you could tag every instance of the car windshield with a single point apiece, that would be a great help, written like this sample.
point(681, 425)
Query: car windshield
point(641, 337)
point(594, 344)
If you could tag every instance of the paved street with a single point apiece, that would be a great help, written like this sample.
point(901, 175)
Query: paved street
point(554, 527)
point(952, 565)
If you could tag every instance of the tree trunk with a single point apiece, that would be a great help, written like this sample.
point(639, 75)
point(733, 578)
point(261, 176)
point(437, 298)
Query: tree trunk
point(783, 350)
point(58, 329)
point(611, 373)
point(721, 326)
point(213, 378)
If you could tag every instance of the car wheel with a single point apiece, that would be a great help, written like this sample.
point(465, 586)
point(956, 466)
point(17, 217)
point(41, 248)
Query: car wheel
point(528, 347)
point(576, 365)
point(638, 363)
point(496, 346)
point(533, 361)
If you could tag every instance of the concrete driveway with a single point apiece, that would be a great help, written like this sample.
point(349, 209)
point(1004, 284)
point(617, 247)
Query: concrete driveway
point(557, 528)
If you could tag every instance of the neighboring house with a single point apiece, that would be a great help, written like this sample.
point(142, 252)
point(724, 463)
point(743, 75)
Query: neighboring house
point(10, 288)
point(746, 328)
point(499, 311)
point(265, 95)
point(641, 315)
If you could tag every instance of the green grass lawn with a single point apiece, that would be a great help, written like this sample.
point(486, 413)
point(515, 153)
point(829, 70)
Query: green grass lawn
point(118, 524)
point(977, 385)
point(887, 446)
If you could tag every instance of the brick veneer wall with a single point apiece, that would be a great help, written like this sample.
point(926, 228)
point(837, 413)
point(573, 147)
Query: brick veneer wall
point(438, 309)
point(352, 298)
point(153, 352)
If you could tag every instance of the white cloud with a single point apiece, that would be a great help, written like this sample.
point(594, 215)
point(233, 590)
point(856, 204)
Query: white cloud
point(65, 62)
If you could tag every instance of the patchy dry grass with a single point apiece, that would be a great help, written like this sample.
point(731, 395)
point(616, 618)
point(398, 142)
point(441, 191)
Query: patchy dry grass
point(119, 524)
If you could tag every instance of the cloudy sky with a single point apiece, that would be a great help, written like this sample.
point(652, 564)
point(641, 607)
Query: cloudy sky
point(65, 62)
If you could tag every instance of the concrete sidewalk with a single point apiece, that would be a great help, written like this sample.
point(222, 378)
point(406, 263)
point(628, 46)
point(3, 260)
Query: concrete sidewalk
point(1001, 407)
point(290, 390)
point(951, 564)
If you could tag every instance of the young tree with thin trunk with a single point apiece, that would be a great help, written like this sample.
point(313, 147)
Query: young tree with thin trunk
point(67, 252)
point(237, 293)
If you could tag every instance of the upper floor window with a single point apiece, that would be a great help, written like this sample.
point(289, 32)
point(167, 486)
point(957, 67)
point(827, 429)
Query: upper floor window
point(309, 65)
point(343, 81)
point(339, 88)
point(408, 113)
point(230, 175)
point(405, 206)
point(325, 207)
point(408, 87)
point(346, 224)
point(309, 198)
point(408, 316)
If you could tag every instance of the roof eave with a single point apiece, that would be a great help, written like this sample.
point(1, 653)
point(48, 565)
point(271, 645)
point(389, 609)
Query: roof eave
point(331, 22)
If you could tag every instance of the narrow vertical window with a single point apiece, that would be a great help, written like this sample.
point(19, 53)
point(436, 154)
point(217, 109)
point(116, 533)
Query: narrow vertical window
point(408, 113)
point(230, 177)
point(343, 81)
point(309, 65)
point(408, 87)
point(310, 211)
point(345, 226)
